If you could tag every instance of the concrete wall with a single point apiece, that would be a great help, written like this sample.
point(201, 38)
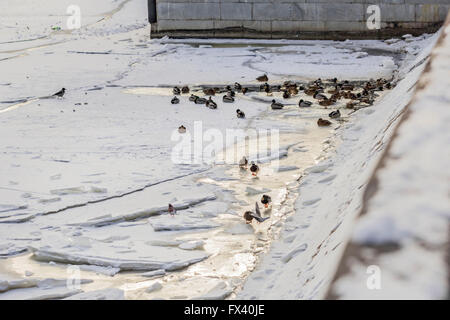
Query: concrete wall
point(295, 18)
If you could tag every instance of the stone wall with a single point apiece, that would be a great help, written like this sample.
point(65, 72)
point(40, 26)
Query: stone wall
point(326, 19)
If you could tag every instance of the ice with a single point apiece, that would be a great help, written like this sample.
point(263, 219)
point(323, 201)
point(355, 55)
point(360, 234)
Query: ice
point(104, 294)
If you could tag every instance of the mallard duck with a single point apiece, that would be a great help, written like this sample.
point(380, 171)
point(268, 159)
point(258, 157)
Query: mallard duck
point(175, 100)
point(268, 90)
point(200, 100)
point(249, 215)
point(350, 105)
point(211, 104)
point(335, 114)
point(237, 86)
point(193, 97)
point(310, 91)
point(304, 104)
point(266, 200)
point(347, 86)
point(209, 91)
point(263, 78)
point(171, 210)
point(276, 105)
point(323, 123)
point(228, 99)
point(254, 169)
point(185, 89)
point(334, 80)
point(327, 102)
point(388, 86)
point(176, 91)
point(181, 129)
point(243, 163)
point(293, 90)
point(244, 90)
point(286, 95)
point(240, 114)
point(333, 91)
point(319, 96)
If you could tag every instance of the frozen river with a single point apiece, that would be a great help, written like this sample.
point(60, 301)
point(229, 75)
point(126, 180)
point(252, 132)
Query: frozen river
point(85, 180)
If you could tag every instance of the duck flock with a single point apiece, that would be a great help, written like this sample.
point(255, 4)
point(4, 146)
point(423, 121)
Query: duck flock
point(325, 93)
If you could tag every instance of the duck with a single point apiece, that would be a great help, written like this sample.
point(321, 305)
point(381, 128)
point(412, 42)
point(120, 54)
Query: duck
point(211, 104)
point(254, 169)
point(350, 105)
point(276, 105)
point(176, 91)
point(266, 200)
point(333, 91)
point(293, 90)
point(243, 163)
point(250, 215)
point(175, 100)
point(263, 78)
point(327, 102)
point(335, 114)
point(231, 93)
point(199, 100)
point(193, 97)
point(323, 123)
point(209, 91)
point(264, 87)
point(237, 86)
point(227, 98)
point(268, 89)
point(185, 89)
point(319, 96)
point(171, 210)
point(60, 93)
point(244, 90)
point(240, 114)
point(310, 91)
point(181, 129)
point(304, 104)
point(286, 95)
point(347, 86)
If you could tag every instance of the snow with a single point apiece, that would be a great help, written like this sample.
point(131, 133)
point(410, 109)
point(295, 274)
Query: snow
point(86, 180)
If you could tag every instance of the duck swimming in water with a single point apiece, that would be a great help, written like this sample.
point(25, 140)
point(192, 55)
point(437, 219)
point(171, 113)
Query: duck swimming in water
point(254, 169)
point(182, 129)
point(323, 123)
point(243, 163)
point(335, 114)
point(176, 91)
point(240, 114)
point(175, 100)
point(211, 104)
point(304, 104)
point(249, 215)
point(263, 78)
point(266, 200)
point(276, 105)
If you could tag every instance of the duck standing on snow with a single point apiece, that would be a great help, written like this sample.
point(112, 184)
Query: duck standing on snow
point(199, 100)
point(243, 163)
point(254, 169)
point(266, 200)
point(181, 129)
point(319, 96)
point(193, 97)
point(323, 123)
point(60, 93)
point(228, 98)
point(286, 95)
point(176, 91)
point(175, 100)
point(304, 104)
point(263, 78)
point(211, 104)
point(240, 114)
point(171, 210)
point(250, 215)
point(335, 114)
point(276, 105)
point(209, 91)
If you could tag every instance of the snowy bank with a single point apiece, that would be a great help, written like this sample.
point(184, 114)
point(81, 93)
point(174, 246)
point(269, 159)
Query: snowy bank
point(399, 248)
